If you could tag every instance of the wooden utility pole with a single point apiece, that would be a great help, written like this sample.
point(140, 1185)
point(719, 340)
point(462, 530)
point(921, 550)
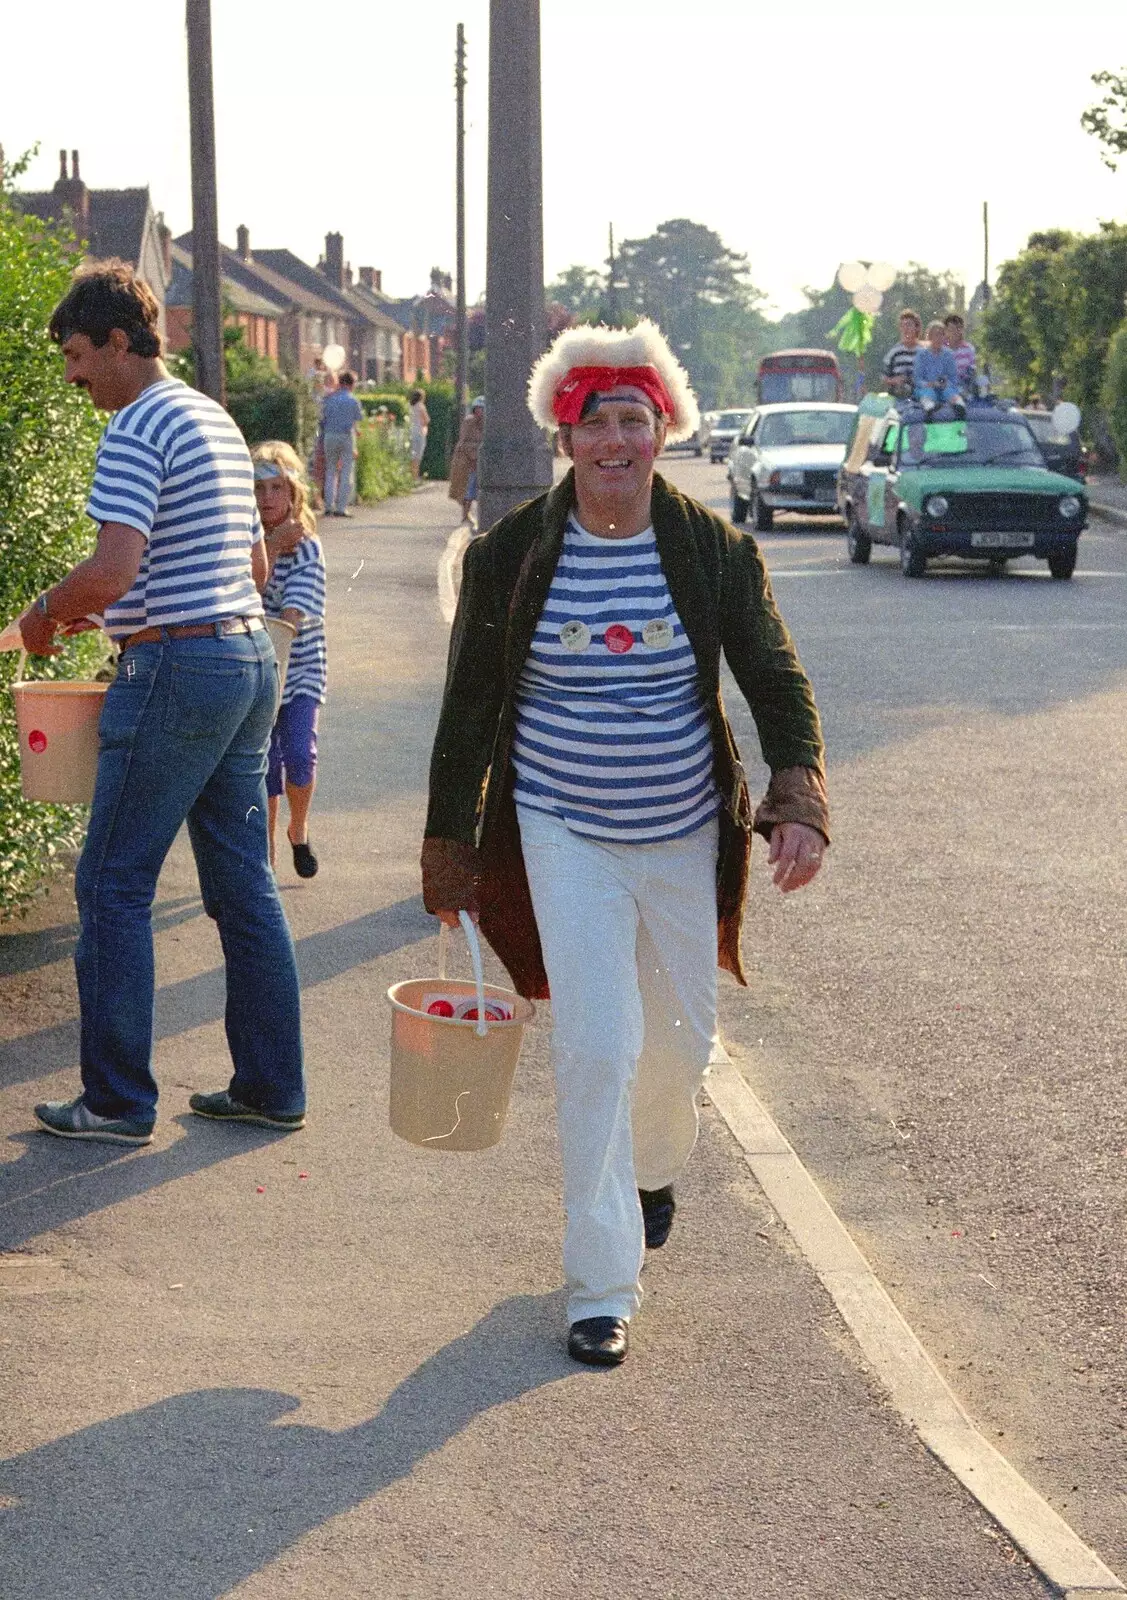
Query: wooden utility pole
point(985, 252)
point(207, 301)
point(515, 462)
point(460, 243)
point(611, 318)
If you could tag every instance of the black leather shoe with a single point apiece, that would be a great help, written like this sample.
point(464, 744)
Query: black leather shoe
point(658, 1206)
point(599, 1341)
point(304, 861)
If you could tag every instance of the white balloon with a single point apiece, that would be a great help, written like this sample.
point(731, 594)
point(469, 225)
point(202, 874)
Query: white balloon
point(851, 275)
point(881, 275)
point(1066, 417)
point(333, 356)
point(868, 299)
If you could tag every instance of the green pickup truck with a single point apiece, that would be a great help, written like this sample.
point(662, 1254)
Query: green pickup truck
point(974, 486)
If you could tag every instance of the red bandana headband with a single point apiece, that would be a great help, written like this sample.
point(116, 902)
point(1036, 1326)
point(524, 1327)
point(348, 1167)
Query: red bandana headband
point(579, 383)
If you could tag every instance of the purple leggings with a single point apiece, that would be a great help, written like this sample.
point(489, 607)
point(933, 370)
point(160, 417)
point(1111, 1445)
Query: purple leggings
point(293, 745)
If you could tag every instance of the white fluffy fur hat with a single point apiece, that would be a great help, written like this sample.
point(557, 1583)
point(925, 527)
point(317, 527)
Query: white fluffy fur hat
point(644, 345)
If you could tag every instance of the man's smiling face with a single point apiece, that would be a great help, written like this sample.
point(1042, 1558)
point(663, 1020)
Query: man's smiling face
point(614, 447)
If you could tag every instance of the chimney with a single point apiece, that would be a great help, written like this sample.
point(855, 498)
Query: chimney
point(334, 259)
point(73, 194)
point(164, 233)
point(348, 275)
point(242, 242)
point(371, 279)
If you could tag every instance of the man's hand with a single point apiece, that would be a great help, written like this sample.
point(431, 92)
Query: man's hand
point(37, 630)
point(796, 855)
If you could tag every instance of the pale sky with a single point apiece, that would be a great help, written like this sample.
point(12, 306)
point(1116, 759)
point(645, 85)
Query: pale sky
point(804, 133)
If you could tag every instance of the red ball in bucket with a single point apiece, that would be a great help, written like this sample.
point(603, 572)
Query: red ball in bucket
point(440, 1008)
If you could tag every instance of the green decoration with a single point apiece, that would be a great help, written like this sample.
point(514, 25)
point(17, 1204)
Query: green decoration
point(853, 332)
point(945, 439)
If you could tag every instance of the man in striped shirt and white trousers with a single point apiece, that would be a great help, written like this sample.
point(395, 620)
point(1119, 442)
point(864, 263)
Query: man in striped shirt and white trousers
point(608, 857)
point(185, 727)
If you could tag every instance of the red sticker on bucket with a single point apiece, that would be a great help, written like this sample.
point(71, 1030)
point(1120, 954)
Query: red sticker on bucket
point(37, 741)
point(619, 639)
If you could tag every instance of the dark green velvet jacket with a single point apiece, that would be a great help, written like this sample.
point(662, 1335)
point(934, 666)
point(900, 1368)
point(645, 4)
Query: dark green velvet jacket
point(719, 585)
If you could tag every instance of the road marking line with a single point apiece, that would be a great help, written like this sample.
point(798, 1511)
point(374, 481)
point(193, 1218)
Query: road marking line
point(915, 1385)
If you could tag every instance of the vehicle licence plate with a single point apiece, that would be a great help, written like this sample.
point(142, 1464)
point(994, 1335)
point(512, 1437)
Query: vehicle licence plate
point(992, 541)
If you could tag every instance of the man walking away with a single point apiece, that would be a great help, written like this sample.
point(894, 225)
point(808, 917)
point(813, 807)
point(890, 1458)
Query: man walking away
point(340, 414)
point(184, 731)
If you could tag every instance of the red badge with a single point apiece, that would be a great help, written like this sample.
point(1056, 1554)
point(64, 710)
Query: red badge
point(37, 740)
point(618, 639)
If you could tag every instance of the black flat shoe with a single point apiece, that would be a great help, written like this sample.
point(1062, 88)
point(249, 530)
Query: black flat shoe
point(658, 1206)
point(599, 1341)
point(304, 861)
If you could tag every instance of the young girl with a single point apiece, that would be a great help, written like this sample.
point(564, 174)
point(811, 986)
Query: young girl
point(295, 591)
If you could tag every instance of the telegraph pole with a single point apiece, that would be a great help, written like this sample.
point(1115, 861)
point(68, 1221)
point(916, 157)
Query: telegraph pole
point(515, 462)
point(985, 252)
point(611, 318)
point(460, 228)
point(207, 307)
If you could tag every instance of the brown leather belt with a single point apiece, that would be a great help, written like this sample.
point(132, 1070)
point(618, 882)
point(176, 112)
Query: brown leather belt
point(194, 630)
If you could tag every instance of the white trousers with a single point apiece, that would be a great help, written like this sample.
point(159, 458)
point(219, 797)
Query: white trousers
point(628, 933)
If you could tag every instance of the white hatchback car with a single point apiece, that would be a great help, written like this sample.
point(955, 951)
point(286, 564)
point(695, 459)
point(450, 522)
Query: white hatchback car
point(787, 459)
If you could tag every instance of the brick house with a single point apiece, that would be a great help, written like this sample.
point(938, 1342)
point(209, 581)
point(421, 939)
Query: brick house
point(108, 222)
point(257, 316)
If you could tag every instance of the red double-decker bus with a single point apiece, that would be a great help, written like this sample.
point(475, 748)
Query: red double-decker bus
point(798, 375)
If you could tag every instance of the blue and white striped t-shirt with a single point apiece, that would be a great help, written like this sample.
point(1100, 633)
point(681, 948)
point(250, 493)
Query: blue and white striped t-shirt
point(611, 732)
point(297, 583)
point(174, 466)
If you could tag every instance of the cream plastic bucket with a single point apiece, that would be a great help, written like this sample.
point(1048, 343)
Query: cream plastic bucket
point(58, 729)
point(282, 634)
point(451, 1078)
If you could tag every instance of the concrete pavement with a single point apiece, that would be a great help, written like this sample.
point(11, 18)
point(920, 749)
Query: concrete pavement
point(330, 1364)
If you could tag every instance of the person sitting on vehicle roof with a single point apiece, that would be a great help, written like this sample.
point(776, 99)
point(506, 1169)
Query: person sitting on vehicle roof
point(900, 360)
point(935, 377)
point(966, 356)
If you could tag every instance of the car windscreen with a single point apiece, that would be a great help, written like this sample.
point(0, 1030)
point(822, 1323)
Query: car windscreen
point(977, 442)
point(776, 386)
point(1045, 431)
point(731, 420)
point(804, 427)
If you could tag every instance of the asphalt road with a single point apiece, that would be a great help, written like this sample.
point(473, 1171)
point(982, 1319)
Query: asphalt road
point(331, 1364)
point(938, 1023)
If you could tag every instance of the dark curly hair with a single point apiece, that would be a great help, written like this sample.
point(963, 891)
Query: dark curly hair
point(106, 295)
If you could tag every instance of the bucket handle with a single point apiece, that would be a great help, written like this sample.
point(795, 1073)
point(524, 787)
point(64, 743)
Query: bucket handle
point(474, 943)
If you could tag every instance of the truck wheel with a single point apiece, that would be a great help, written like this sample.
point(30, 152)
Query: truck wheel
point(763, 516)
point(739, 506)
point(1062, 562)
point(913, 562)
point(857, 541)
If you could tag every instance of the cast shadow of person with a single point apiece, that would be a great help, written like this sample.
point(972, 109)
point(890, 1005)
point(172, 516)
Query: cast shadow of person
point(189, 1497)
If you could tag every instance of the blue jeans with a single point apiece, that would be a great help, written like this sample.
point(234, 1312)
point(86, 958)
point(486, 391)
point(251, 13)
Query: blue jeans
point(338, 471)
point(183, 737)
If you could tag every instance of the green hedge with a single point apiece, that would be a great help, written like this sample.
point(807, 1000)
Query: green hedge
point(394, 404)
point(439, 398)
point(1115, 394)
point(383, 462)
point(48, 435)
point(279, 408)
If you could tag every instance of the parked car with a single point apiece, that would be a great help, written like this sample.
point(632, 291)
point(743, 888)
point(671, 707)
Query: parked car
point(787, 459)
point(1063, 452)
point(722, 429)
point(975, 487)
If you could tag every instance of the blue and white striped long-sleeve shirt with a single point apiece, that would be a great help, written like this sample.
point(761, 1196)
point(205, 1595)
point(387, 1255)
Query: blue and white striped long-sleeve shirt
point(297, 583)
point(611, 732)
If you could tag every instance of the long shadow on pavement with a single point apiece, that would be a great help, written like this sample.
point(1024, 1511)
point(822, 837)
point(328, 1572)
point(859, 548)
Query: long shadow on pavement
point(186, 1499)
point(199, 1000)
point(25, 952)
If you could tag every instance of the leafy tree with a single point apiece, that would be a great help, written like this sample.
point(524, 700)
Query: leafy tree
point(1025, 325)
point(581, 291)
point(1115, 392)
point(1095, 285)
point(48, 434)
point(1107, 119)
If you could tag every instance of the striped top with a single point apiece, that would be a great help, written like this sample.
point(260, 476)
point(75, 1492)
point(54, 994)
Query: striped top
point(297, 583)
point(611, 732)
point(174, 466)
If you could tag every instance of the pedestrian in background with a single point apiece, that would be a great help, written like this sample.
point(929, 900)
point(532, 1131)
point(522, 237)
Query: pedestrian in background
point(420, 427)
point(184, 729)
point(463, 463)
point(295, 593)
point(587, 801)
point(341, 414)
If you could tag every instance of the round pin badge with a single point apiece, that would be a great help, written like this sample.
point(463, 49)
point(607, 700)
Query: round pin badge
point(37, 741)
point(658, 633)
point(618, 639)
point(575, 635)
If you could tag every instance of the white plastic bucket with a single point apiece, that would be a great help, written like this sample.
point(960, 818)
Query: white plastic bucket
point(451, 1077)
point(283, 634)
point(58, 728)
